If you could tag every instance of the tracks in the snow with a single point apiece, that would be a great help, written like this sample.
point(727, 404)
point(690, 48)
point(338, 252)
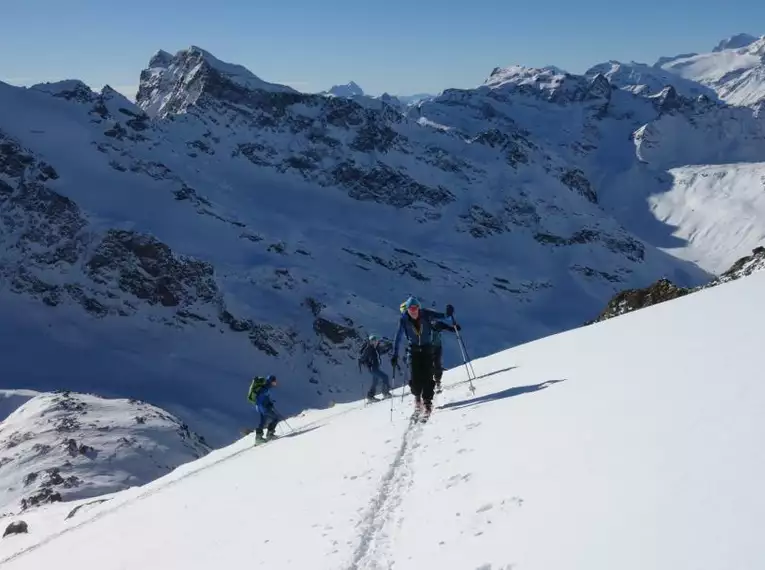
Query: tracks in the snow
point(374, 549)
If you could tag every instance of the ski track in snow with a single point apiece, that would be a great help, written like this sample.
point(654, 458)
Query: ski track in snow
point(374, 546)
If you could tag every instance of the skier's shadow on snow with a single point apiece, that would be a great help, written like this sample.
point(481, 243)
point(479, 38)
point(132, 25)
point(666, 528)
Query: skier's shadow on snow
point(509, 393)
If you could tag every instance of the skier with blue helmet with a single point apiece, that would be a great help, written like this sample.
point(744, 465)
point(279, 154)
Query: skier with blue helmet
point(260, 395)
point(418, 325)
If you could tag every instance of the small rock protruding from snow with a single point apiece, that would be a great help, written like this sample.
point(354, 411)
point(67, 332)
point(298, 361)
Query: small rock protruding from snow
point(16, 527)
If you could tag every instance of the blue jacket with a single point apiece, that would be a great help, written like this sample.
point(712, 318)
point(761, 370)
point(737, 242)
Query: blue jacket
point(418, 333)
point(263, 400)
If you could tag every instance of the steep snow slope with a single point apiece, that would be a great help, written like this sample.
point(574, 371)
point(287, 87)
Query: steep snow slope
point(224, 227)
point(735, 70)
point(718, 210)
point(63, 446)
point(627, 449)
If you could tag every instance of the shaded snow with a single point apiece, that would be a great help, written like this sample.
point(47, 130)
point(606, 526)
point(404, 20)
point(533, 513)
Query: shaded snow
point(625, 450)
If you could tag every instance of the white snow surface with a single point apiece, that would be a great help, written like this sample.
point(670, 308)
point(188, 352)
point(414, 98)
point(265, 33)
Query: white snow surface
point(637, 446)
point(719, 210)
point(66, 446)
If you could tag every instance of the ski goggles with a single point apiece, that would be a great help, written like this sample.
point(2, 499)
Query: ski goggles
point(413, 310)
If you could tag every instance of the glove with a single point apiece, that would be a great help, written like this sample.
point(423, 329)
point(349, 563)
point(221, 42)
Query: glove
point(394, 361)
point(457, 327)
point(449, 310)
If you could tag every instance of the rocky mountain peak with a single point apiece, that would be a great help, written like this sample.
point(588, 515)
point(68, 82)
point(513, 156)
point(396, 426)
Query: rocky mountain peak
point(171, 86)
point(735, 42)
point(350, 89)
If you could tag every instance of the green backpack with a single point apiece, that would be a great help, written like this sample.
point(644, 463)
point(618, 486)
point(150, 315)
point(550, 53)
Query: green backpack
point(256, 386)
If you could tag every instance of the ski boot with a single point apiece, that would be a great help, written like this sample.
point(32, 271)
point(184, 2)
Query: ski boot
point(427, 409)
point(417, 409)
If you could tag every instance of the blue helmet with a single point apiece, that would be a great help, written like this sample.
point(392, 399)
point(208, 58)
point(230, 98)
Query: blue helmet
point(372, 337)
point(411, 302)
point(270, 378)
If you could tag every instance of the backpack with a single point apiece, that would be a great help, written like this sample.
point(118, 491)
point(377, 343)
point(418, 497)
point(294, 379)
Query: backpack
point(257, 384)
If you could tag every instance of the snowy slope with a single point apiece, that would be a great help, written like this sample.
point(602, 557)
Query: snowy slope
point(719, 210)
point(224, 226)
point(64, 446)
point(735, 69)
point(626, 450)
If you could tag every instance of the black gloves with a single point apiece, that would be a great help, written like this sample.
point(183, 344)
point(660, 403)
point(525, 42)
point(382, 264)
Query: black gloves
point(457, 327)
point(449, 310)
point(394, 361)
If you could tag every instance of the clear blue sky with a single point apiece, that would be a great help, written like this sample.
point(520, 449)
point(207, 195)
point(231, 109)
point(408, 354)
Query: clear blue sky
point(398, 46)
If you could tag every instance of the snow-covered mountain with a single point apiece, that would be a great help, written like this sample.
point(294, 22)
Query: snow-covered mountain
point(633, 443)
point(64, 446)
point(224, 226)
point(349, 90)
point(638, 153)
point(735, 69)
point(733, 72)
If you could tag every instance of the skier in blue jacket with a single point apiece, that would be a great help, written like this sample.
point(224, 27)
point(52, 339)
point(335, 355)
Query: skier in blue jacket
point(418, 325)
point(260, 395)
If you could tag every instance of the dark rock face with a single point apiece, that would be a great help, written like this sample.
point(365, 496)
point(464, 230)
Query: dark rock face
point(577, 181)
point(16, 527)
point(148, 269)
point(664, 290)
point(634, 299)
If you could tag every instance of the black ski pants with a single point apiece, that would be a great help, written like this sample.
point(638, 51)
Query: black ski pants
point(438, 365)
point(421, 373)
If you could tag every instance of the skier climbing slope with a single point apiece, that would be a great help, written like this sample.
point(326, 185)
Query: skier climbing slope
point(634, 443)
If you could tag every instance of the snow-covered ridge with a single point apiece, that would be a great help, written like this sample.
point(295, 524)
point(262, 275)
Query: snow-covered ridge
point(735, 69)
point(546, 451)
point(65, 446)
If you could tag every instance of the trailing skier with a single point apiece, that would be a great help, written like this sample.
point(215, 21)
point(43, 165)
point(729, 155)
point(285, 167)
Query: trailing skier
point(418, 325)
point(438, 351)
point(370, 358)
point(260, 395)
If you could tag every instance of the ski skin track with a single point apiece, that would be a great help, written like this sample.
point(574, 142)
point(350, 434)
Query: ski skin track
point(372, 551)
point(375, 520)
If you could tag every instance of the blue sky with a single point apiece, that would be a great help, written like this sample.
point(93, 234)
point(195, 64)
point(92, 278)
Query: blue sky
point(398, 46)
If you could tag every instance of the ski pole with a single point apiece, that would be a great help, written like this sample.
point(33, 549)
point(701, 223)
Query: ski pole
point(393, 381)
point(464, 356)
point(284, 421)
